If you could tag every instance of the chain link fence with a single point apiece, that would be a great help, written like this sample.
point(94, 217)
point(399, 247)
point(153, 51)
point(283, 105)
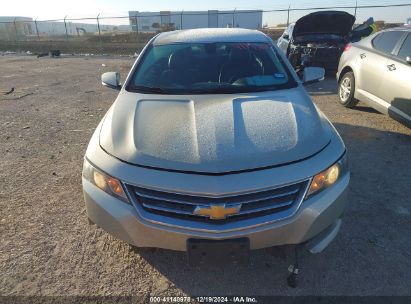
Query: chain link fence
point(126, 35)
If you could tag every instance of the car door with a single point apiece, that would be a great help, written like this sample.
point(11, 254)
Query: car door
point(396, 87)
point(372, 63)
point(285, 38)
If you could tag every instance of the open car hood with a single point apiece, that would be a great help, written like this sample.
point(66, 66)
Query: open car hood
point(324, 22)
point(214, 134)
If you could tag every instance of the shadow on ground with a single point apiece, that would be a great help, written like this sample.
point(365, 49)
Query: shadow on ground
point(366, 109)
point(326, 87)
point(366, 257)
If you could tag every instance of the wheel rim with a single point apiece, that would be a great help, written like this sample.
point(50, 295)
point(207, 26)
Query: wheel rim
point(345, 89)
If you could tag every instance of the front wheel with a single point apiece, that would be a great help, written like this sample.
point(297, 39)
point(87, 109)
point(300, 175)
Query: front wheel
point(346, 89)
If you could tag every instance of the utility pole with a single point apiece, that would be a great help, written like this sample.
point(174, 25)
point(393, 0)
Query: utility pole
point(15, 30)
point(288, 15)
point(136, 22)
point(99, 33)
point(233, 18)
point(37, 29)
point(355, 11)
point(65, 26)
point(98, 25)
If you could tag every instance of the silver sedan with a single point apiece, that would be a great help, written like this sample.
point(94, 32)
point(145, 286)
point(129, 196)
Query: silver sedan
point(213, 145)
point(377, 70)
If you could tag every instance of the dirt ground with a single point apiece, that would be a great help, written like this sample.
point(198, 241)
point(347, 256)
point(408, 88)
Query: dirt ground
point(48, 248)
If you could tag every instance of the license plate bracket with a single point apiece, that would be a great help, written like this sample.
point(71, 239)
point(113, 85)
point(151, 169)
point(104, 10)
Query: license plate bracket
point(201, 251)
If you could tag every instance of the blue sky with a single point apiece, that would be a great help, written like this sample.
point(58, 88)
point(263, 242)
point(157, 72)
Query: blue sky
point(51, 9)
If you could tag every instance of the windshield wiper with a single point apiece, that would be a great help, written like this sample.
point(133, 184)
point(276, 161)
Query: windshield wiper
point(234, 89)
point(145, 89)
point(224, 89)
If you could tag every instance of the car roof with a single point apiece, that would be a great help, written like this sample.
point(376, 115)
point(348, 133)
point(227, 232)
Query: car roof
point(207, 35)
point(401, 28)
point(367, 42)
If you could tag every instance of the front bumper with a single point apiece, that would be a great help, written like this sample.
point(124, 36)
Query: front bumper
point(315, 217)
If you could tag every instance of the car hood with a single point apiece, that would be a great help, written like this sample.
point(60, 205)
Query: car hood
point(325, 22)
point(214, 133)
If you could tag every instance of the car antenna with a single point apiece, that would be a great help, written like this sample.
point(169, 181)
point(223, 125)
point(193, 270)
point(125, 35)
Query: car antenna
point(294, 270)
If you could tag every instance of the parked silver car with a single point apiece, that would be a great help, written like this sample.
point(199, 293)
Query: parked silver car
point(213, 143)
point(377, 70)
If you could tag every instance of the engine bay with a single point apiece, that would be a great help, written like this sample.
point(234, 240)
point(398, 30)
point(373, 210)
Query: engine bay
point(320, 53)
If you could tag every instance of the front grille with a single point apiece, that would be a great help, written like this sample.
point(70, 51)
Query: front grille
point(254, 204)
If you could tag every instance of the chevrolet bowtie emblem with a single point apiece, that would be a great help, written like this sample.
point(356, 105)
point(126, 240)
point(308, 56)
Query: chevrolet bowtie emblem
point(217, 212)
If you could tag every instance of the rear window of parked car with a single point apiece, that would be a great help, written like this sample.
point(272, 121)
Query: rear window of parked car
point(405, 49)
point(385, 42)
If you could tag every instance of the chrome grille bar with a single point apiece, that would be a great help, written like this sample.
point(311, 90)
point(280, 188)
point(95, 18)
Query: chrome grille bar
point(183, 205)
point(165, 209)
point(266, 208)
point(163, 197)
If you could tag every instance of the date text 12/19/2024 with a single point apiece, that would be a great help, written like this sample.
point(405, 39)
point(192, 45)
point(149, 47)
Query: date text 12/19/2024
point(207, 299)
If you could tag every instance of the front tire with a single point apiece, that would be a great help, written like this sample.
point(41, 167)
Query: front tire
point(346, 89)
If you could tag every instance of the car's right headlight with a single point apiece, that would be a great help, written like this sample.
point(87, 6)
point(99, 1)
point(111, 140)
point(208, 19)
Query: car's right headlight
point(104, 181)
point(328, 177)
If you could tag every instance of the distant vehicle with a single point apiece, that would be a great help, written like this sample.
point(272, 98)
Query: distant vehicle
point(214, 147)
point(317, 39)
point(377, 70)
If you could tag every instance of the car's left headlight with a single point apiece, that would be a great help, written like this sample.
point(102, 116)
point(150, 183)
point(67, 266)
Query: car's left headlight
point(104, 181)
point(328, 177)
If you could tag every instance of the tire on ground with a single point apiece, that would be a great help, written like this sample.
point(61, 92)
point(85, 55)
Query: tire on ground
point(349, 101)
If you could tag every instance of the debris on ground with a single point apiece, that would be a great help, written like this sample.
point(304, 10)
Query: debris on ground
point(9, 92)
point(51, 53)
point(7, 53)
point(14, 94)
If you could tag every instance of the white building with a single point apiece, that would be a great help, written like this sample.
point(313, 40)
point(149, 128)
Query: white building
point(57, 28)
point(167, 20)
point(18, 27)
point(12, 26)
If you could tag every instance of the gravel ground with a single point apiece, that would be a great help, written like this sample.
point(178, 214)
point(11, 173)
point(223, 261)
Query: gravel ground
point(48, 248)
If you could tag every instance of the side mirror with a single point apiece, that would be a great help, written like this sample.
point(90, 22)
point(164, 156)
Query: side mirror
point(408, 59)
point(111, 80)
point(312, 75)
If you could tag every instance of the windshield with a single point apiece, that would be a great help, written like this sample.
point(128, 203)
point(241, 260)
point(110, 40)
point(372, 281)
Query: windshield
point(207, 68)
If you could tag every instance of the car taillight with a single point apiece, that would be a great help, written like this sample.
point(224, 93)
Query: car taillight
point(347, 47)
